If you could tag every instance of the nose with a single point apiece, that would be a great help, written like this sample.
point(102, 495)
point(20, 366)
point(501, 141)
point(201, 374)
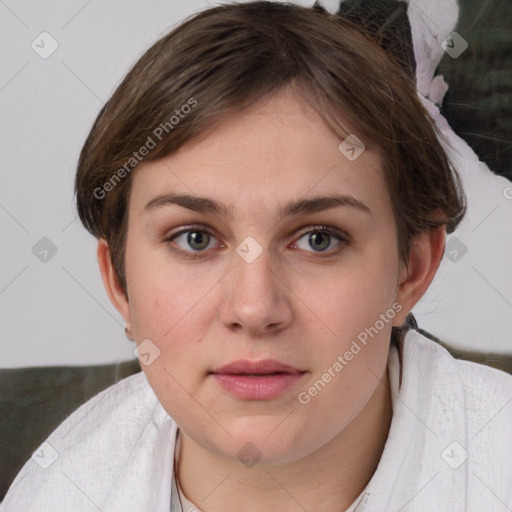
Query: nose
point(257, 297)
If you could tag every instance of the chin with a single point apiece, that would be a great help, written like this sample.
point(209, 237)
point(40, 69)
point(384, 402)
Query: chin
point(265, 438)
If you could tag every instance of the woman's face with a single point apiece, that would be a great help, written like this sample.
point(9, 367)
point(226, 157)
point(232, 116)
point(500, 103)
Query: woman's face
point(243, 270)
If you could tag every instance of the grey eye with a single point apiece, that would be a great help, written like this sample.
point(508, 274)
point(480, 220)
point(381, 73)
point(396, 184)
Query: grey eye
point(195, 239)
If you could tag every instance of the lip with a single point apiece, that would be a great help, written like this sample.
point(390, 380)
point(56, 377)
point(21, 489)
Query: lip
point(257, 380)
point(265, 366)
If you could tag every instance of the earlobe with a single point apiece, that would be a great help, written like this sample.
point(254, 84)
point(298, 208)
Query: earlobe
point(425, 256)
point(111, 282)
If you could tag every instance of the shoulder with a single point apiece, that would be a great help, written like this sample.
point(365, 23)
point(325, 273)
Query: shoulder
point(477, 377)
point(93, 448)
point(130, 397)
point(486, 391)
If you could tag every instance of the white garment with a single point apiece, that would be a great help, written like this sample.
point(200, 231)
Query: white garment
point(115, 452)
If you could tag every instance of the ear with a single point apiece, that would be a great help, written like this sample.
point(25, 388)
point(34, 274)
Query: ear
point(425, 256)
point(111, 282)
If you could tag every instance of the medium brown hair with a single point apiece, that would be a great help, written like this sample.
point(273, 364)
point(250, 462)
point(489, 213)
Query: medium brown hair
point(220, 61)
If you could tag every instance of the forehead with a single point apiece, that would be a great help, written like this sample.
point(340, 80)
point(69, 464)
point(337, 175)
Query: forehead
point(260, 158)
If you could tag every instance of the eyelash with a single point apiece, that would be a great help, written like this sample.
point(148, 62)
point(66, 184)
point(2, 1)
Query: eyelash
point(329, 230)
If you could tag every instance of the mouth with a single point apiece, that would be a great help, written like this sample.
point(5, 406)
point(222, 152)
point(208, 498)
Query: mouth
point(257, 380)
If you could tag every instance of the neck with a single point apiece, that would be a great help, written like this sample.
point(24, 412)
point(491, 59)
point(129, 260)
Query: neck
point(328, 480)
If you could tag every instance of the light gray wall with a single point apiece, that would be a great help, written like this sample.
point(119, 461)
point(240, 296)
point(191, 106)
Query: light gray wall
point(56, 311)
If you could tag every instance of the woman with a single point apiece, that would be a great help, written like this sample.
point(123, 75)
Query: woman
point(271, 200)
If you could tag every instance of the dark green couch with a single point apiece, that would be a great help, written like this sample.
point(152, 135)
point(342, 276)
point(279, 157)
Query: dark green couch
point(34, 401)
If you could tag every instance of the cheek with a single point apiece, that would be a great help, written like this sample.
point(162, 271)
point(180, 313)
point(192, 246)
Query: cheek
point(355, 314)
point(172, 316)
point(353, 298)
point(175, 323)
point(162, 297)
point(166, 308)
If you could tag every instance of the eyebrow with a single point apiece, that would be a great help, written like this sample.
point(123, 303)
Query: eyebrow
point(290, 209)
